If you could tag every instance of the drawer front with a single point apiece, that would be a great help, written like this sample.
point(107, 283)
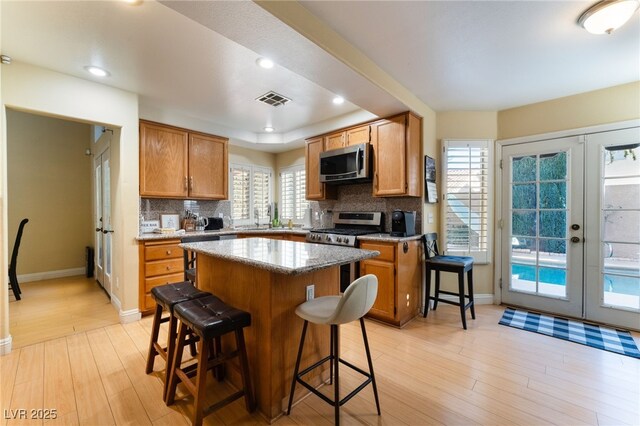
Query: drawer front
point(163, 267)
point(150, 283)
point(387, 251)
point(165, 251)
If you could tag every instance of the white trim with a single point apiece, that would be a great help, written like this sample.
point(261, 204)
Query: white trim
point(5, 345)
point(572, 132)
point(116, 302)
point(132, 315)
point(47, 275)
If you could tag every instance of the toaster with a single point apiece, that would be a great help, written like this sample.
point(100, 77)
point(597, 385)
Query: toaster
point(214, 224)
point(403, 224)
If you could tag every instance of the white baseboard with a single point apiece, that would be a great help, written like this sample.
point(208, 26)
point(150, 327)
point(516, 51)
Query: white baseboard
point(126, 317)
point(5, 345)
point(478, 299)
point(48, 275)
point(132, 315)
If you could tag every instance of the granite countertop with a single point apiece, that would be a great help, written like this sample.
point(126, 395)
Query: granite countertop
point(285, 257)
point(257, 232)
point(387, 238)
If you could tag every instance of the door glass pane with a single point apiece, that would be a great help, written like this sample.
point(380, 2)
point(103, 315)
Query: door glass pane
point(553, 195)
point(524, 169)
point(539, 233)
point(524, 196)
point(99, 215)
point(553, 223)
point(553, 166)
point(620, 221)
point(106, 201)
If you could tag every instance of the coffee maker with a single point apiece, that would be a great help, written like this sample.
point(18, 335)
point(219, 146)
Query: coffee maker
point(403, 224)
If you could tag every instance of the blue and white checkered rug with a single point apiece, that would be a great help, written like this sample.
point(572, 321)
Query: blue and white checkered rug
point(618, 341)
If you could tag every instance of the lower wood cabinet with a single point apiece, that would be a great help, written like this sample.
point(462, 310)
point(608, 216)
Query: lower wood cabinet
point(399, 272)
point(161, 262)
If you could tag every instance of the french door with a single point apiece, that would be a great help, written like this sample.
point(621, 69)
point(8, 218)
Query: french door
point(571, 226)
point(542, 196)
point(102, 196)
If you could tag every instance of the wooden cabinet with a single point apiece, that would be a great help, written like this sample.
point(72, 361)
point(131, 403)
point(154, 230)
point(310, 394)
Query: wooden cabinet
point(176, 163)
point(334, 141)
point(399, 272)
point(161, 262)
point(315, 190)
point(358, 135)
point(398, 141)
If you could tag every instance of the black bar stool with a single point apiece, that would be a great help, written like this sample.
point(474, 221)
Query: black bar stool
point(209, 318)
point(355, 302)
point(433, 261)
point(167, 297)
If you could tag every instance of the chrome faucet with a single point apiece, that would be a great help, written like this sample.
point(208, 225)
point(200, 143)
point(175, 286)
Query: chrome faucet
point(269, 213)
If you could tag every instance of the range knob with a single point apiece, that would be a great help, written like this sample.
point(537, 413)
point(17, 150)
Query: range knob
point(339, 239)
point(328, 238)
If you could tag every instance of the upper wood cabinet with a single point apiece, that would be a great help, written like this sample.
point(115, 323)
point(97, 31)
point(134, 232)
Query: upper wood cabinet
point(315, 189)
point(176, 163)
point(334, 141)
point(358, 135)
point(397, 141)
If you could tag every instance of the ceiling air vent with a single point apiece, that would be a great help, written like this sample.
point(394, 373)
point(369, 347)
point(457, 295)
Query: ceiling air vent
point(273, 99)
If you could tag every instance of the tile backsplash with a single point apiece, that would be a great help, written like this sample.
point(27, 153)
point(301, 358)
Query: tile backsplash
point(152, 208)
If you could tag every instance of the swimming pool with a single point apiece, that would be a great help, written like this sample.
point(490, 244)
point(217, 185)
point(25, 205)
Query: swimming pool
point(613, 283)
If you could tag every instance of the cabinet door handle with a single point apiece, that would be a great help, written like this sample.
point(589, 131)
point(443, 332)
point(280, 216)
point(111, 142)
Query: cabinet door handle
point(191, 182)
point(168, 252)
point(186, 183)
point(168, 268)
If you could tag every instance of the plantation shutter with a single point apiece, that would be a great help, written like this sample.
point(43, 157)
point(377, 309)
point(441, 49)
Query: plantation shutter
point(261, 191)
point(466, 206)
point(240, 192)
point(292, 193)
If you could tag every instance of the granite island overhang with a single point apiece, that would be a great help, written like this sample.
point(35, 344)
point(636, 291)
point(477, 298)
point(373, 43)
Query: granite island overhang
point(268, 278)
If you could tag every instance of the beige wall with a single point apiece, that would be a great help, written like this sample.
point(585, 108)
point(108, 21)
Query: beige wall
point(241, 155)
point(610, 105)
point(287, 159)
point(468, 125)
point(49, 182)
point(30, 88)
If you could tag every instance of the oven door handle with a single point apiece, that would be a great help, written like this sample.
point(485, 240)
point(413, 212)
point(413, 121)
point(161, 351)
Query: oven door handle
point(358, 162)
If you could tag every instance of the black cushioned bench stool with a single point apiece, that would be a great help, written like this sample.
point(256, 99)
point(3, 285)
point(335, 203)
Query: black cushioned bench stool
point(209, 318)
point(167, 297)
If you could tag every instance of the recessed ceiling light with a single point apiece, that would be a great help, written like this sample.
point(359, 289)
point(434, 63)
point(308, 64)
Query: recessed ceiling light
point(608, 15)
point(338, 100)
point(269, 129)
point(265, 63)
point(98, 72)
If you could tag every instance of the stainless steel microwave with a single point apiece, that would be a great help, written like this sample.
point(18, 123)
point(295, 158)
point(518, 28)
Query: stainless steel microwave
point(346, 165)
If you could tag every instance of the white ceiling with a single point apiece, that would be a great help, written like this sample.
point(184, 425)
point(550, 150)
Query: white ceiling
point(197, 59)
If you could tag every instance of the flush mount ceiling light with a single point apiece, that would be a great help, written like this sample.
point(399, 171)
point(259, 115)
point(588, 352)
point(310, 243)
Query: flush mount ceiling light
point(338, 100)
point(265, 63)
point(98, 72)
point(608, 15)
point(269, 129)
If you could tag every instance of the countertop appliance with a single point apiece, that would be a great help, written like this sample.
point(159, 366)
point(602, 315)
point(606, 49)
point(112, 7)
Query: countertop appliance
point(347, 226)
point(403, 224)
point(351, 164)
point(214, 224)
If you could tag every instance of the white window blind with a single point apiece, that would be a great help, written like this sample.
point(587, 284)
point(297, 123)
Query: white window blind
point(250, 189)
point(466, 171)
point(292, 194)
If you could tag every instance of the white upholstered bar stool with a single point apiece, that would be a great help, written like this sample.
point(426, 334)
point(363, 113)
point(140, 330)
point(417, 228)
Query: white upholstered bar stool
point(355, 302)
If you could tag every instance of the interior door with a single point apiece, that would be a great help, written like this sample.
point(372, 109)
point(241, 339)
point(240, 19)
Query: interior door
point(542, 213)
point(613, 218)
point(104, 229)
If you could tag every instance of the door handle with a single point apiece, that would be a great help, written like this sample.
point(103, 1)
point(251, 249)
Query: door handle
point(107, 231)
point(575, 239)
point(98, 229)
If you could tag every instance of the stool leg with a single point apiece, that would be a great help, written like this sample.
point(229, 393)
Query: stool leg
point(336, 383)
point(373, 377)
point(332, 356)
point(171, 343)
point(461, 295)
point(175, 363)
point(155, 329)
point(201, 382)
point(437, 293)
point(470, 284)
point(427, 292)
point(297, 368)
point(244, 371)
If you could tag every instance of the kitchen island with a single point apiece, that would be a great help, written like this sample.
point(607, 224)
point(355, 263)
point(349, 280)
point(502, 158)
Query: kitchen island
point(269, 278)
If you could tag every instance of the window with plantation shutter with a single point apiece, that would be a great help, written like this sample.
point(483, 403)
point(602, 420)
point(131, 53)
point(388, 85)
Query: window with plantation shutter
point(292, 194)
point(466, 179)
point(250, 190)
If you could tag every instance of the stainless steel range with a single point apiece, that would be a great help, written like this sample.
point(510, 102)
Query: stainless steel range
point(348, 226)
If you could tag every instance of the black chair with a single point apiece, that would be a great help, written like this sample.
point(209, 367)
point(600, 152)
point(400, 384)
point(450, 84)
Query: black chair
point(458, 264)
point(13, 277)
point(190, 257)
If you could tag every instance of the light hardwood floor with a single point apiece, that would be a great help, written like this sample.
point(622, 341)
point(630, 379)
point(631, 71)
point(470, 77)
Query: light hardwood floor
point(58, 307)
point(430, 372)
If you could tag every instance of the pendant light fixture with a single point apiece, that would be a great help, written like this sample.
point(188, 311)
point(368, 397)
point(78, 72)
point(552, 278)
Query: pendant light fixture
point(608, 15)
